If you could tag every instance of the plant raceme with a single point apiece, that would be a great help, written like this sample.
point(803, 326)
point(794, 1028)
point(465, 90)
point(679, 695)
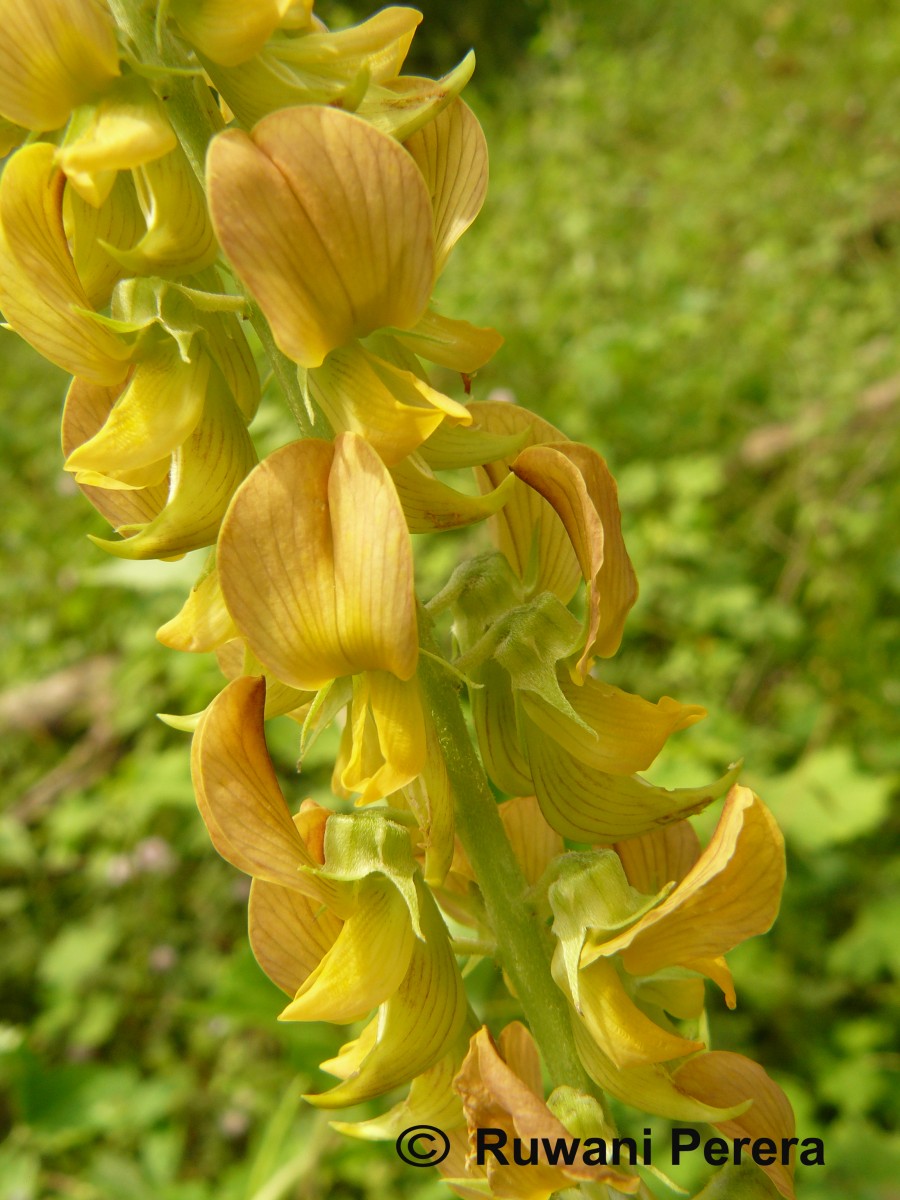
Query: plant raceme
point(183, 165)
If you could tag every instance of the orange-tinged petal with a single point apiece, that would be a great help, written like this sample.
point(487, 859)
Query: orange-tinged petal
point(54, 55)
point(730, 894)
point(328, 224)
point(533, 842)
point(527, 530)
point(239, 797)
point(578, 484)
point(392, 408)
point(659, 857)
point(289, 933)
point(366, 964)
point(451, 152)
point(723, 1078)
point(329, 591)
point(630, 730)
point(40, 293)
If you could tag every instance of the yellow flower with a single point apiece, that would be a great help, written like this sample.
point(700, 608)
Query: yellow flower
point(339, 917)
point(339, 234)
point(54, 55)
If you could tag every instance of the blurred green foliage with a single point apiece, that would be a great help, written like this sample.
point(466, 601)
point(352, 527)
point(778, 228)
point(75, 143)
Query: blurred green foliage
point(691, 244)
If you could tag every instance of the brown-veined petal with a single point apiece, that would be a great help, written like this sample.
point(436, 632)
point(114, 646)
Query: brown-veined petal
point(158, 411)
point(327, 222)
point(730, 894)
point(203, 623)
point(329, 591)
point(533, 842)
point(454, 344)
point(53, 56)
point(724, 1078)
point(527, 530)
point(590, 805)
point(240, 801)
point(366, 964)
point(416, 1026)
point(630, 730)
point(40, 293)
point(660, 856)
point(289, 933)
point(451, 152)
point(228, 31)
point(228, 346)
point(235, 658)
point(501, 1094)
point(126, 128)
point(206, 470)
point(625, 1035)
point(87, 407)
point(430, 505)
point(392, 408)
point(576, 481)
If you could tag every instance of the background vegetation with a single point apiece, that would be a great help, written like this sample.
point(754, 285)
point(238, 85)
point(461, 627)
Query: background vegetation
point(692, 245)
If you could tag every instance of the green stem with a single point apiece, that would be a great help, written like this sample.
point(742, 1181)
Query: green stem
point(523, 945)
point(193, 119)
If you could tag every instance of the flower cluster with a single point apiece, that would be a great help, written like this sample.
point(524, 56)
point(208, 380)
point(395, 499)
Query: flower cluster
point(184, 167)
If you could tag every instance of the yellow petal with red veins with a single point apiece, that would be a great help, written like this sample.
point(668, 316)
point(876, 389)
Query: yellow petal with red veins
point(576, 481)
point(289, 933)
point(40, 292)
point(124, 129)
point(206, 470)
point(456, 345)
point(329, 591)
point(451, 152)
point(327, 222)
point(416, 1027)
point(527, 530)
point(630, 730)
point(494, 717)
point(533, 842)
point(731, 893)
point(228, 31)
point(366, 964)
point(393, 409)
point(53, 56)
point(118, 223)
point(723, 1078)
